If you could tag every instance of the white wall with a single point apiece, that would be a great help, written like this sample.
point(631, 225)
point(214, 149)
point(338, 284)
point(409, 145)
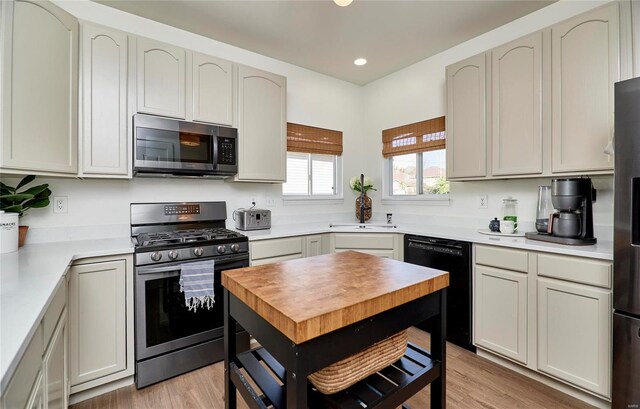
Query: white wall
point(312, 99)
point(409, 95)
point(417, 93)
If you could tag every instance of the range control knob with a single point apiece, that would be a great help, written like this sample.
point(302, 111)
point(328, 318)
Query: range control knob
point(173, 254)
point(235, 248)
point(198, 251)
point(222, 249)
point(156, 256)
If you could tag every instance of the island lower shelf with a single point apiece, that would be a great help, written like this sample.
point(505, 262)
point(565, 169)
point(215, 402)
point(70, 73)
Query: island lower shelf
point(390, 387)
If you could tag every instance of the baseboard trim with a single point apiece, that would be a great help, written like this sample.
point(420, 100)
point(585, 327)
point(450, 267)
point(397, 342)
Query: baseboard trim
point(562, 387)
point(100, 390)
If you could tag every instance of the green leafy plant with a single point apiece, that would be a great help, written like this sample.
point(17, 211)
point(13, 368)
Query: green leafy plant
point(355, 184)
point(13, 201)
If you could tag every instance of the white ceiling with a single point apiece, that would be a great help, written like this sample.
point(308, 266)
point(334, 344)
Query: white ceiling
point(324, 37)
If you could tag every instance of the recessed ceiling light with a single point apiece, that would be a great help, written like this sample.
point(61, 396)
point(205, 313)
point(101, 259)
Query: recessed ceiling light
point(360, 61)
point(342, 3)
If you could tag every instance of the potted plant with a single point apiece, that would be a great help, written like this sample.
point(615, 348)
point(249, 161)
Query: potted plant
point(13, 201)
point(356, 186)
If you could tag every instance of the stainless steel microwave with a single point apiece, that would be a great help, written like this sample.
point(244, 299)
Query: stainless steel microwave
point(166, 146)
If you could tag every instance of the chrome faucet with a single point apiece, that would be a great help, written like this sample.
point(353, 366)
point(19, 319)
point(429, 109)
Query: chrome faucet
point(363, 208)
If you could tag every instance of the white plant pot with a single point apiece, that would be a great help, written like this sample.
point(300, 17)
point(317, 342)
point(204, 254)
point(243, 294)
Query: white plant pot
point(8, 232)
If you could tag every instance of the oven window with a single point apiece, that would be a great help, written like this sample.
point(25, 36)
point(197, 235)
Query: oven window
point(168, 318)
point(171, 146)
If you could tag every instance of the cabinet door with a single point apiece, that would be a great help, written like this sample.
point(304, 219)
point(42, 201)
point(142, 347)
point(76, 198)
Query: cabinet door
point(635, 32)
point(313, 245)
point(517, 100)
point(55, 367)
point(466, 118)
point(40, 77)
point(585, 64)
point(161, 78)
point(262, 126)
point(97, 320)
point(104, 136)
point(212, 90)
point(37, 398)
point(574, 334)
point(501, 312)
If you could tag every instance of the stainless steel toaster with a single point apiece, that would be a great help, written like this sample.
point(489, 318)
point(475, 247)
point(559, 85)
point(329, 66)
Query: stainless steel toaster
point(252, 219)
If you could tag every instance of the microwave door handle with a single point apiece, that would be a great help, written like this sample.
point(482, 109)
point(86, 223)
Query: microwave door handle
point(214, 140)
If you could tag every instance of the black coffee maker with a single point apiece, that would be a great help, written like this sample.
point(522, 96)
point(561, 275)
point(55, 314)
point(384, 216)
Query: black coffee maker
point(573, 222)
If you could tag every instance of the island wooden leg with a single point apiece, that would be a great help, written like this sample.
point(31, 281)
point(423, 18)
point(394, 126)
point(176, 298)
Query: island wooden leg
point(230, 398)
point(438, 352)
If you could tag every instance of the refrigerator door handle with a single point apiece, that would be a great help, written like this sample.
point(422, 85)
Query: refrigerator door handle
point(635, 211)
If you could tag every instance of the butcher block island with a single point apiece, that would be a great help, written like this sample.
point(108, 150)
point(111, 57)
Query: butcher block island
point(312, 315)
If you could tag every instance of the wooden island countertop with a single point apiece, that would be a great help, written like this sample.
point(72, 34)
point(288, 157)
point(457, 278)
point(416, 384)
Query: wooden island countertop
point(309, 297)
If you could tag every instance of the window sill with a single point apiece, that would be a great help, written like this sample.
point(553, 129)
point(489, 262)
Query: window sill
point(417, 201)
point(306, 200)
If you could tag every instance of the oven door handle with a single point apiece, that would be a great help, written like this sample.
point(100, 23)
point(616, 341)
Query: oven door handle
point(176, 266)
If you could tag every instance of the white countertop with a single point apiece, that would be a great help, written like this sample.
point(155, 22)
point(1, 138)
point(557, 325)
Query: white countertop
point(602, 250)
point(29, 278)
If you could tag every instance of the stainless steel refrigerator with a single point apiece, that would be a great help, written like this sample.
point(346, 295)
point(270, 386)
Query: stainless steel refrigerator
point(626, 288)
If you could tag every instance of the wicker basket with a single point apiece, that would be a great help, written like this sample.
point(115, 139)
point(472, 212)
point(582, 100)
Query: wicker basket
point(349, 371)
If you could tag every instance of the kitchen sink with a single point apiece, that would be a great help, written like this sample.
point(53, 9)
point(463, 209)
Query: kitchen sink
point(358, 226)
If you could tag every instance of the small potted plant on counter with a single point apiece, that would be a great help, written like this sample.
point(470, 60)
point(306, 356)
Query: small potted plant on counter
point(13, 201)
point(357, 187)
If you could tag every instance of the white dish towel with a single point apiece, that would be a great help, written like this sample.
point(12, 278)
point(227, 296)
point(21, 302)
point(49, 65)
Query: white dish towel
point(196, 282)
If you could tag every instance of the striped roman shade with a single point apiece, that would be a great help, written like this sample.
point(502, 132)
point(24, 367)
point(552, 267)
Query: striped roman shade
point(418, 137)
point(309, 139)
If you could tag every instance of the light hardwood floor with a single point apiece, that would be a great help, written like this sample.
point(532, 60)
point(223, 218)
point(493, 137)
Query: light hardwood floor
point(472, 382)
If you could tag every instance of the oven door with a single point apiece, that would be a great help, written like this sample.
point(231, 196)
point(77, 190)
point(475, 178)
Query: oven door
point(168, 146)
point(163, 322)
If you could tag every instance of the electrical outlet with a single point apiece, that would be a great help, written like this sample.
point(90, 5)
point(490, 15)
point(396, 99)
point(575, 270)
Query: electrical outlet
point(483, 202)
point(253, 201)
point(271, 202)
point(60, 204)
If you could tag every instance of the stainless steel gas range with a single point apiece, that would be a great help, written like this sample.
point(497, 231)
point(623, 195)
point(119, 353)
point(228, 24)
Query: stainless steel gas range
point(170, 339)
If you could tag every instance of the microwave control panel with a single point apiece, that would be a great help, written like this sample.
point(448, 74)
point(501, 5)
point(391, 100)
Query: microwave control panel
point(226, 151)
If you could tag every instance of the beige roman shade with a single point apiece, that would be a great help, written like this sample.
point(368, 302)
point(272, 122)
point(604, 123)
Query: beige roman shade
point(418, 137)
point(309, 139)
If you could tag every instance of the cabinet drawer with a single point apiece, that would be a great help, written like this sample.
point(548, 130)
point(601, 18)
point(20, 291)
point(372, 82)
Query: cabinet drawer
point(275, 248)
point(508, 259)
point(53, 313)
point(379, 253)
point(364, 241)
point(19, 389)
point(275, 259)
point(579, 270)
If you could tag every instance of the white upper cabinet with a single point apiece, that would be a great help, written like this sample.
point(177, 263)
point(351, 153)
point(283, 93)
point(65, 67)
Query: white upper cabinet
point(40, 104)
point(212, 90)
point(517, 101)
point(466, 118)
point(585, 65)
point(160, 78)
point(104, 136)
point(635, 32)
point(262, 126)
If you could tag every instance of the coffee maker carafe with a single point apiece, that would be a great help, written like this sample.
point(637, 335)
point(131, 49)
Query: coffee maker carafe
point(573, 222)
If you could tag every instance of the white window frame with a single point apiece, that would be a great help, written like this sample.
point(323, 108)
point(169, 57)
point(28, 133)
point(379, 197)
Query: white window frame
point(335, 198)
point(418, 199)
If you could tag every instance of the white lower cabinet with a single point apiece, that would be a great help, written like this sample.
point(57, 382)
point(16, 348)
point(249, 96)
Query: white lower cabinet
point(287, 248)
point(501, 312)
point(55, 367)
point(548, 312)
point(387, 245)
point(100, 342)
point(574, 334)
point(41, 377)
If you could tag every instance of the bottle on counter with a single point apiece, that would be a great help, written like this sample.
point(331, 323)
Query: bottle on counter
point(510, 210)
point(545, 208)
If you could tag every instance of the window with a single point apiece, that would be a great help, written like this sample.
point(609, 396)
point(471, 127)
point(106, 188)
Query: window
point(416, 160)
point(313, 163)
point(311, 175)
point(422, 173)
